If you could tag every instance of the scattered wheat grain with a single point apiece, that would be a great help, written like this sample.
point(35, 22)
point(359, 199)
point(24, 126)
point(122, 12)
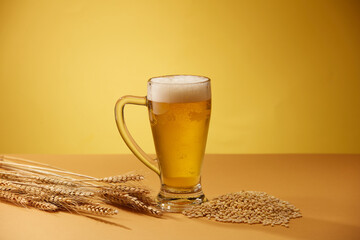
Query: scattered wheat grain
point(246, 207)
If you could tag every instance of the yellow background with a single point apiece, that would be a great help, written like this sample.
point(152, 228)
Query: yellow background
point(285, 74)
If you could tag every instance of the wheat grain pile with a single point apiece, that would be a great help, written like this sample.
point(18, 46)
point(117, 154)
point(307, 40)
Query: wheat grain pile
point(31, 184)
point(246, 207)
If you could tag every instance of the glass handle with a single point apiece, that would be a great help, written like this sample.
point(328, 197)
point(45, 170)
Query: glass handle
point(124, 132)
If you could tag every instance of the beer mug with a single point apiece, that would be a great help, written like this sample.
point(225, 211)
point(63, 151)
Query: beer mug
point(179, 109)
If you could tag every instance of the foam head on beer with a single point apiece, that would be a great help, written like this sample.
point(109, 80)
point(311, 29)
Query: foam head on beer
point(180, 88)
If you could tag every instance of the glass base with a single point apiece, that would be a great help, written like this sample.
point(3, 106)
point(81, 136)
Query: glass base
point(177, 200)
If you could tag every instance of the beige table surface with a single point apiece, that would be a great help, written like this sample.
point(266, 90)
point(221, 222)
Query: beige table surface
point(326, 188)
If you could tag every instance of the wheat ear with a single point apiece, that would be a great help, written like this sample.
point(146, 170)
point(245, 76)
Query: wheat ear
point(94, 209)
point(45, 206)
point(133, 202)
point(129, 189)
point(14, 198)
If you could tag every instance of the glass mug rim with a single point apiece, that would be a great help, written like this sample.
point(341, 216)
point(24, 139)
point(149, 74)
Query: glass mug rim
point(158, 80)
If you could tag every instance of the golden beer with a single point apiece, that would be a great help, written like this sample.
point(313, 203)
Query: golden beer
point(180, 132)
point(179, 110)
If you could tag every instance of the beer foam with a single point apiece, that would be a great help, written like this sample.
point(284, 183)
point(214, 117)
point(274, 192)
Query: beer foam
point(180, 88)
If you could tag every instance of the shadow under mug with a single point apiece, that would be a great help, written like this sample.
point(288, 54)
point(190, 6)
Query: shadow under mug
point(179, 109)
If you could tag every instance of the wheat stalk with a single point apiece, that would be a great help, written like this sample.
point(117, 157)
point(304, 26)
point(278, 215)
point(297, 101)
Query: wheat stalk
point(44, 187)
point(116, 179)
point(132, 202)
point(129, 189)
point(31, 168)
